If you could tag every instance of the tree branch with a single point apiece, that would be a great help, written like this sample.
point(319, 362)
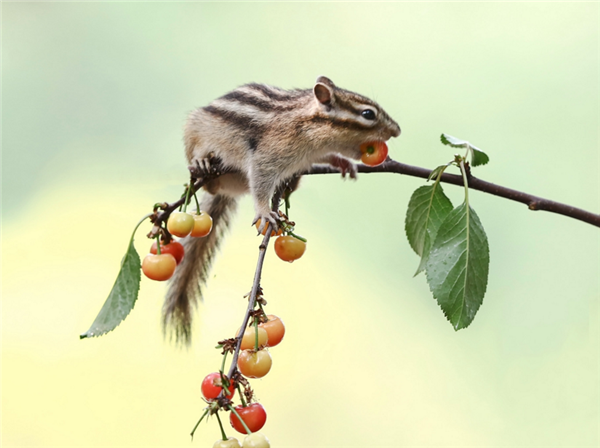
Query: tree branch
point(532, 202)
point(391, 166)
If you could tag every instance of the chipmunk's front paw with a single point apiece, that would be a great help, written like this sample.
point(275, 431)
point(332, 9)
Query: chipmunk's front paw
point(266, 218)
point(344, 165)
point(204, 166)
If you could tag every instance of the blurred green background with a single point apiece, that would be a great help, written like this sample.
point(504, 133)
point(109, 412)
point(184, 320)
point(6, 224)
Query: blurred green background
point(94, 99)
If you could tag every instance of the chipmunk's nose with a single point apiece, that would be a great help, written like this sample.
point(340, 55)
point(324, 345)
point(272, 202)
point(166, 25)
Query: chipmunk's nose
point(395, 131)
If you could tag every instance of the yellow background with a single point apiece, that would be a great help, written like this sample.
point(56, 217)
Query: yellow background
point(94, 99)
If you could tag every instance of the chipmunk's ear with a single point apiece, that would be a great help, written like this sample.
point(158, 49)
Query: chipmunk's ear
point(325, 80)
point(324, 90)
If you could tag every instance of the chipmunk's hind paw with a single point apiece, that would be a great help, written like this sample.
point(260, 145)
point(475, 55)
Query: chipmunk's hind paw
point(271, 217)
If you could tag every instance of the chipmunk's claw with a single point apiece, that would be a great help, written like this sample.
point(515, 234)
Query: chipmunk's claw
point(204, 166)
point(344, 165)
point(272, 217)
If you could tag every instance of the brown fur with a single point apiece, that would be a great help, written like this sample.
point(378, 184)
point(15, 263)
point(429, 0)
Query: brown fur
point(190, 276)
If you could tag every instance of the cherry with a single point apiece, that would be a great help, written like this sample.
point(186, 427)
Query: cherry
point(159, 267)
point(203, 224)
point(373, 153)
point(256, 440)
point(264, 231)
point(254, 364)
point(249, 338)
point(231, 442)
point(275, 330)
point(180, 224)
point(212, 386)
point(289, 248)
point(174, 248)
point(253, 415)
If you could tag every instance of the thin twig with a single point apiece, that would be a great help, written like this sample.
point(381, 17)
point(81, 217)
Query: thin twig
point(262, 250)
point(198, 182)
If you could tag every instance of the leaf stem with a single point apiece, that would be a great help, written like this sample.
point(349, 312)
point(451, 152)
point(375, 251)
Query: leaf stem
point(137, 226)
point(463, 171)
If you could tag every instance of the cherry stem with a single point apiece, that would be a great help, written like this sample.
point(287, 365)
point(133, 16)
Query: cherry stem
point(255, 335)
point(187, 194)
point(223, 435)
point(158, 244)
point(239, 389)
point(286, 200)
point(298, 237)
point(240, 418)
point(223, 362)
point(197, 203)
point(195, 427)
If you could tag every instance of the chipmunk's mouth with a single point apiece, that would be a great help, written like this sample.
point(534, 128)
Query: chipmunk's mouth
point(388, 133)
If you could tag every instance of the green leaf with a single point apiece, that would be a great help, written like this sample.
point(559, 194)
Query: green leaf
point(447, 139)
point(478, 157)
point(122, 297)
point(458, 264)
point(427, 209)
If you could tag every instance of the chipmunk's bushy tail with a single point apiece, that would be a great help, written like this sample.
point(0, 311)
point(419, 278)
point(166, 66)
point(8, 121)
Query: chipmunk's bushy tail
point(186, 285)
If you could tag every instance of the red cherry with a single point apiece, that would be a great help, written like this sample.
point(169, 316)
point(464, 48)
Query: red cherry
point(373, 153)
point(212, 386)
point(275, 330)
point(254, 416)
point(174, 248)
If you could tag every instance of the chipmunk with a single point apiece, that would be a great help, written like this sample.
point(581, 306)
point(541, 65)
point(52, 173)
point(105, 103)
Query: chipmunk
point(267, 135)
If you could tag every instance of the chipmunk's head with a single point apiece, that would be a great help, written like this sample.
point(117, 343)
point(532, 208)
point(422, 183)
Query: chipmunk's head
point(353, 116)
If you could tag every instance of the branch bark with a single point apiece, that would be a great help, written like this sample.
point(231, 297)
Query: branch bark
point(532, 202)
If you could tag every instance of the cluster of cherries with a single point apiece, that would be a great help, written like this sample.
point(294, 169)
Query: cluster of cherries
point(254, 361)
point(162, 260)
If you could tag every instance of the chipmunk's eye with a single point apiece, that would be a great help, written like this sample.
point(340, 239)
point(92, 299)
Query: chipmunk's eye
point(368, 114)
